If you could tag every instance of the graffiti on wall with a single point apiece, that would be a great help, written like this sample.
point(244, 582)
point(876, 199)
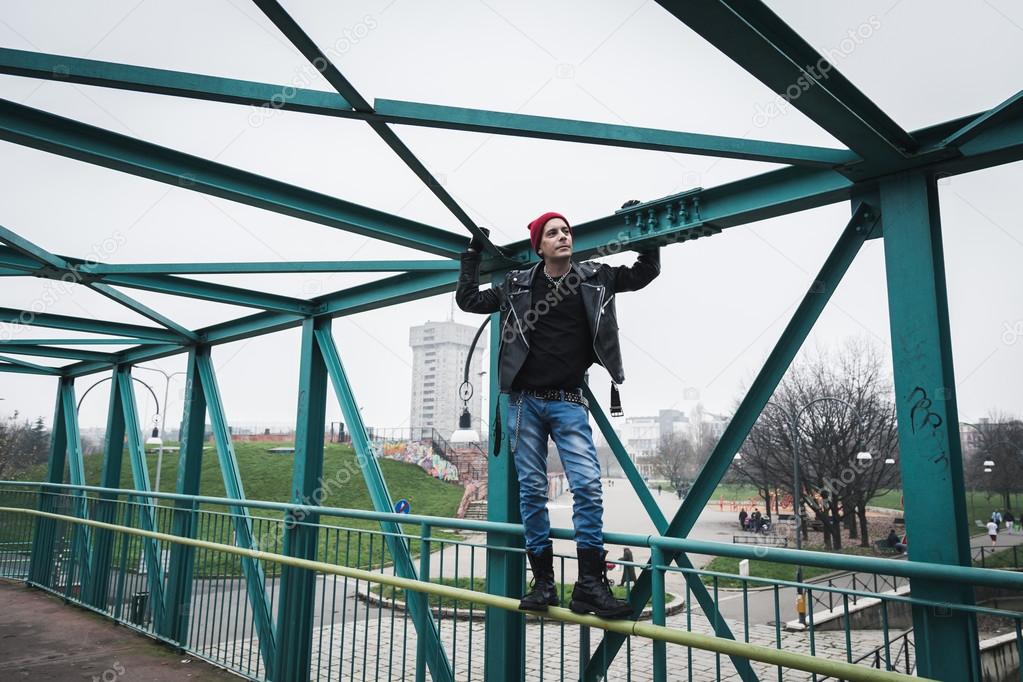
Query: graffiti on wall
point(420, 454)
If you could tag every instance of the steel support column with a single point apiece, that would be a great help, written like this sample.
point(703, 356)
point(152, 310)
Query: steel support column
point(930, 451)
point(298, 585)
point(860, 226)
point(184, 522)
point(106, 507)
point(505, 648)
point(255, 581)
point(41, 564)
point(148, 511)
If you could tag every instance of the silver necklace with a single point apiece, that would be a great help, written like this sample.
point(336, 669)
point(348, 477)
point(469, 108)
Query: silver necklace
point(554, 282)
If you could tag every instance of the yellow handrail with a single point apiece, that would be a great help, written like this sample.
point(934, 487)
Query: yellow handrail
point(729, 647)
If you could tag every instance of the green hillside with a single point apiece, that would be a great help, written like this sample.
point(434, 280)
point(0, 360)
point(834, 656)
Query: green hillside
point(267, 476)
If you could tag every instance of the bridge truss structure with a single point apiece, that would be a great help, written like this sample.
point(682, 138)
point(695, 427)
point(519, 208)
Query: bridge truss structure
point(887, 175)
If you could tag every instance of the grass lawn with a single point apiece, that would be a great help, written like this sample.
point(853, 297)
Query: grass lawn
point(757, 569)
point(1011, 557)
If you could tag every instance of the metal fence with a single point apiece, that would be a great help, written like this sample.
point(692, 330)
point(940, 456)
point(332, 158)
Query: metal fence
point(127, 560)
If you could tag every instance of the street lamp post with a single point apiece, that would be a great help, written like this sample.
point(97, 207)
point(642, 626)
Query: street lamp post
point(797, 501)
point(163, 419)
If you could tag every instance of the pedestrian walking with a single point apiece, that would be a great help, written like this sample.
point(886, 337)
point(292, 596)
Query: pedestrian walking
point(1009, 520)
point(992, 531)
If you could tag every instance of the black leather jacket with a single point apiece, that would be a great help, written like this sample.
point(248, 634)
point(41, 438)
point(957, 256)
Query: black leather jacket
point(598, 284)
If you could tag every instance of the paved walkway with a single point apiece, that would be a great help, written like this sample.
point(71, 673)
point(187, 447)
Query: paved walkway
point(42, 639)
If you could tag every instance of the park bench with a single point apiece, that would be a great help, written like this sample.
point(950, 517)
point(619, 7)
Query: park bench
point(757, 539)
point(881, 547)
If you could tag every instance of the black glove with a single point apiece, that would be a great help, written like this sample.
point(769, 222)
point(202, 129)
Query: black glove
point(477, 245)
point(631, 202)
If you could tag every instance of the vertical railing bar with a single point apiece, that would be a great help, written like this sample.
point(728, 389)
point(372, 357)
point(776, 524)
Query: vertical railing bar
point(848, 627)
point(424, 575)
point(472, 611)
point(344, 601)
point(561, 598)
point(380, 606)
point(394, 599)
point(809, 615)
point(777, 625)
point(657, 592)
point(885, 634)
point(689, 628)
point(355, 605)
point(717, 626)
point(454, 623)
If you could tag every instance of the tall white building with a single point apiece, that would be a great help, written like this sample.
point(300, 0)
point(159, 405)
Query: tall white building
point(438, 362)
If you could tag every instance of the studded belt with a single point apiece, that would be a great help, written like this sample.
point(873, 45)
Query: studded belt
point(571, 395)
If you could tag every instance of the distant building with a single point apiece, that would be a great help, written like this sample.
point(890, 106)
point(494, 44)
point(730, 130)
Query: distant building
point(641, 435)
point(439, 350)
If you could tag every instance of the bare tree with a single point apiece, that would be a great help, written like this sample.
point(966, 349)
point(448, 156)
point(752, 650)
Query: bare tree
point(836, 485)
point(1001, 442)
point(674, 459)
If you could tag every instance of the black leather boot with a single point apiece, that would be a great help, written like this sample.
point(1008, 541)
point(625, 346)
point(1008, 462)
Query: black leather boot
point(592, 593)
point(543, 592)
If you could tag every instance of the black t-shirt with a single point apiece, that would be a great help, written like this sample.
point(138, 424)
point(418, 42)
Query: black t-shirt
point(560, 344)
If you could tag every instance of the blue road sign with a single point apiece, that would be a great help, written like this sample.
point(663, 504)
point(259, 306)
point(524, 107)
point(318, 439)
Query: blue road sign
point(402, 506)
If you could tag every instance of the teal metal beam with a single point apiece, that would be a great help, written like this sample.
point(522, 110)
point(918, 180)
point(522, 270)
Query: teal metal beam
point(98, 341)
point(736, 203)
point(1008, 110)
point(39, 369)
point(545, 127)
point(18, 369)
point(321, 62)
point(255, 581)
point(646, 498)
point(40, 571)
point(51, 261)
point(52, 352)
point(505, 638)
point(106, 506)
point(298, 585)
point(208, 291)
point(64, 69)
point(77, 271)
point(426, 627)
point(147, 508)
point(58, 135)
point(755, 38)
point(860, 226)
point(268, 268)
point(29, 318)
point(142, 309)
point(928, 420)
point(185, 521)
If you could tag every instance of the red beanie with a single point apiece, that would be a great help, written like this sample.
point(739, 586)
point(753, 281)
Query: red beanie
point(536, 227)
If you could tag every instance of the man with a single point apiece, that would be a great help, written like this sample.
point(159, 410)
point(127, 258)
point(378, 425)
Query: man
point(992, 531)
point(1009, 520)
point(557, 318)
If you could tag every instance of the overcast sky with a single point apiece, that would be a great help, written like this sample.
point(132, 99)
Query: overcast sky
point(701, 330)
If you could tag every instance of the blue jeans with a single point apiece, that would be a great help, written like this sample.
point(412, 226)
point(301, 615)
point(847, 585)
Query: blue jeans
point(530, 422)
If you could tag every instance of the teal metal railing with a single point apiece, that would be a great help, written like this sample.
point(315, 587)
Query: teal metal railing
point(362, 630)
